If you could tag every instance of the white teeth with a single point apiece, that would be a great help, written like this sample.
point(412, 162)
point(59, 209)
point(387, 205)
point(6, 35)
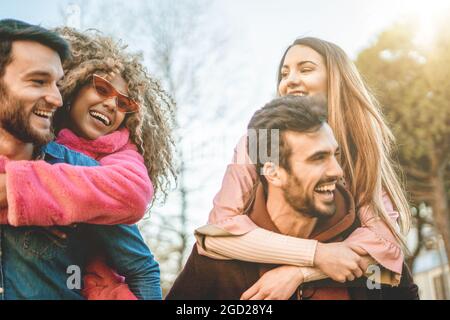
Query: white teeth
point(330, 187)
point(99, 115)
point(300, 94)
point(42, 113)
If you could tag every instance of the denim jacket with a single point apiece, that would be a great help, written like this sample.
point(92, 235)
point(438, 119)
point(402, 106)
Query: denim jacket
point(34, 264)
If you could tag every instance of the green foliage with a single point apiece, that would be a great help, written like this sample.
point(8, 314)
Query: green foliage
point(413, 86)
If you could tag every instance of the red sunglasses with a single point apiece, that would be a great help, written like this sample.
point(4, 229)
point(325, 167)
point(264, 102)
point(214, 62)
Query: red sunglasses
point(105, 89)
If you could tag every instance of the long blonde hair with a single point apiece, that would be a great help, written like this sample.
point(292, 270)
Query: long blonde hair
point(363, 135)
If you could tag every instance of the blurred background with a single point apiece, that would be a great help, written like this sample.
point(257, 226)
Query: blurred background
point(218, 59)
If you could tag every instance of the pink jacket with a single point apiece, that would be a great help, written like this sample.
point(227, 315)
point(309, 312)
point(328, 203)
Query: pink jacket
point(117, 192)
point(240, 176)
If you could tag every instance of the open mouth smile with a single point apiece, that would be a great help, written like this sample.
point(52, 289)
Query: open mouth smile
point(43, 113)
point(326, 191)
point(106, 121)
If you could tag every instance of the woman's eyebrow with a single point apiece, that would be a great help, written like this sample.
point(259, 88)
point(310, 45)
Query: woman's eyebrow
point(285, 66)
point(305, 62)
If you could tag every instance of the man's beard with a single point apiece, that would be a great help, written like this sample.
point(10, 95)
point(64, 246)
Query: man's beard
point(15, 120)
point(297, 197)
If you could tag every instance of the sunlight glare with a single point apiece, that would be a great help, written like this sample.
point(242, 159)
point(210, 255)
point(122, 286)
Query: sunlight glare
point(428, 14)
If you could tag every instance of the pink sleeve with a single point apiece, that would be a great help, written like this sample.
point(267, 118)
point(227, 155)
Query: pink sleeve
point(240, 176)
point(376, 238)
point(40, 194)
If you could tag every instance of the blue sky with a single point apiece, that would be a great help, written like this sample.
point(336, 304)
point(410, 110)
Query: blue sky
point(350, 23)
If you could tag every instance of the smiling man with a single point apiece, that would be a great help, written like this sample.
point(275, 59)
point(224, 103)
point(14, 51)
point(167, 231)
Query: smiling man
point(28, 88)
point(48, 263)
point(299, 196)
point(33, 262)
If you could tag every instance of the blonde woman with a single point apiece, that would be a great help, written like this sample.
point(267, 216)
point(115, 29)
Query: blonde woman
point(312, 66)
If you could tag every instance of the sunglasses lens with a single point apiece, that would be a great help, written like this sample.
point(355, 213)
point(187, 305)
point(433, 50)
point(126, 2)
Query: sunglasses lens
point(103, 88)
point(124, 104)
point(106, 90)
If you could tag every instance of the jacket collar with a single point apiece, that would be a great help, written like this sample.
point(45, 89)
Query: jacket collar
point(106, 144)
point(325, 230)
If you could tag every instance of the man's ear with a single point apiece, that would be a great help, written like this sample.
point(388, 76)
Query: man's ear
point(274, 174)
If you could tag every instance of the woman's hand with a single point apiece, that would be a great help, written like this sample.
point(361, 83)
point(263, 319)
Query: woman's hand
point(340, 261)
point(277, 284)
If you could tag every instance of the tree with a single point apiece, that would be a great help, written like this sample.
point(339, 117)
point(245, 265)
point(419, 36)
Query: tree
point(181, 50)
point(412, 85)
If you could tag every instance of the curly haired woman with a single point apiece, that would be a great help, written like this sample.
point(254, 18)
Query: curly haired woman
point(114, 130)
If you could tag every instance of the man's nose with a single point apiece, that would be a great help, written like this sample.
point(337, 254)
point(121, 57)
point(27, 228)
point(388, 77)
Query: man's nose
point(54, 97)
point(335, 169)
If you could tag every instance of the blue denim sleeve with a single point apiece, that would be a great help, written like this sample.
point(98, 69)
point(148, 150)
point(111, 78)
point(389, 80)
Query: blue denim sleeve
point(125, 249)
point(57, 153)
point(127, 253)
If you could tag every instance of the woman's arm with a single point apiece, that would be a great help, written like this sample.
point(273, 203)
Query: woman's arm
point(237, 185)
point(263, 246)
point(278, 248)
point(282, 282)
point(232, 235)
point(42, 194)
point(376, 239)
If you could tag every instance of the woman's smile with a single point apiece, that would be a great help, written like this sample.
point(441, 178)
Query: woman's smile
point(93, 115)
point(101, 117)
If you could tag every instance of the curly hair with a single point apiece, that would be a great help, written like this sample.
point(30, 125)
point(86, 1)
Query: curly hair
point(151, 127)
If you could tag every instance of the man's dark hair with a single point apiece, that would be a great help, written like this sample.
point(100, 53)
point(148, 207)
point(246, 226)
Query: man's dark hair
point(14, 30)
point(289, 113)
